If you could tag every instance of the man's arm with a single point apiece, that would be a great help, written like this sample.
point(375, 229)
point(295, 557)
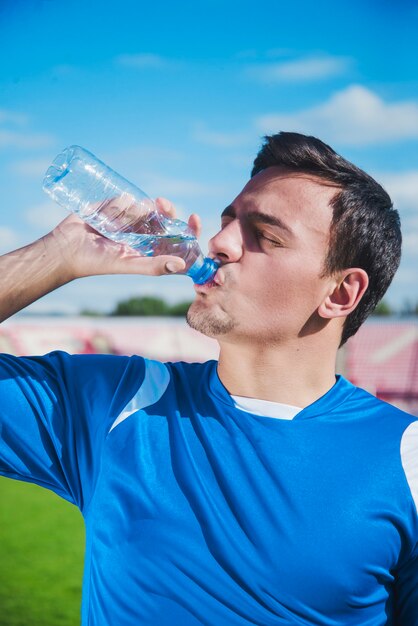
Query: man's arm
point(29, 273)
point(74, 250)
point(56, 410)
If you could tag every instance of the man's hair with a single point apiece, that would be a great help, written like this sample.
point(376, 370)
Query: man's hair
point(365, 228)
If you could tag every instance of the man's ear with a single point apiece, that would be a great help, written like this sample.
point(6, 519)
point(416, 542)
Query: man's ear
point(347, 293)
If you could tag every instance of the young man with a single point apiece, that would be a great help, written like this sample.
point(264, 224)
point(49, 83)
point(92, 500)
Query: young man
point(257, 490)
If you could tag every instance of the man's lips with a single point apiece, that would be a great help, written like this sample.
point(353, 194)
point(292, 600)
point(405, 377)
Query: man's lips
point(219, 278)
point(217, 281)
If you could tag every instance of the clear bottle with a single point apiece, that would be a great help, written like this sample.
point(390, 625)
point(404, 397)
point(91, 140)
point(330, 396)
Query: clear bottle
point(121, 211)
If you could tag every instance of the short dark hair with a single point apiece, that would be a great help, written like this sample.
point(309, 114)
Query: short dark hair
point(365, 228)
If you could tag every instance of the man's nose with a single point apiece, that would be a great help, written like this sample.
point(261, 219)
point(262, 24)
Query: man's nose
point(226, 245)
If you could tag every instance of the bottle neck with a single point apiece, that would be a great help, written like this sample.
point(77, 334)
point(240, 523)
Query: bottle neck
point(203, 270)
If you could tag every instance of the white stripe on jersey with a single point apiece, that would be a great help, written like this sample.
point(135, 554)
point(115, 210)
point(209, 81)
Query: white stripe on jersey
point(409, 457)
point(152, 389)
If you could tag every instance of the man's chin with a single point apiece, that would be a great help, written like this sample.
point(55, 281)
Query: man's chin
point(209, 322)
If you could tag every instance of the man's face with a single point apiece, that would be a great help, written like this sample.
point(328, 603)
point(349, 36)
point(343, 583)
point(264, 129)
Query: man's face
point(272, 245)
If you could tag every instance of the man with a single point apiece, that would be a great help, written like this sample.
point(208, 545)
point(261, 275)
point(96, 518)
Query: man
point(256, 490)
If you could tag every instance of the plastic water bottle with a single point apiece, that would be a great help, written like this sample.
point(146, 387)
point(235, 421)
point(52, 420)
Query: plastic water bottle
point(122, 212)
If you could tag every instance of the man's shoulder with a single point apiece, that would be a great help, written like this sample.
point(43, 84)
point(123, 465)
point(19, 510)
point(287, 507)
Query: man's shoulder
point(188, 375)
point(187, 366)
point(366, 401)
point(178, 374)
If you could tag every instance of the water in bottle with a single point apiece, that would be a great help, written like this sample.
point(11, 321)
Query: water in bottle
point(121, 211)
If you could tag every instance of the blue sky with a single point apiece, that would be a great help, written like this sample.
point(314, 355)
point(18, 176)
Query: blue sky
point(177, 97)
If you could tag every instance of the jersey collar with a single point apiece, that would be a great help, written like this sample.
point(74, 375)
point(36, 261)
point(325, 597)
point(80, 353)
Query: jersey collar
point(339, 393)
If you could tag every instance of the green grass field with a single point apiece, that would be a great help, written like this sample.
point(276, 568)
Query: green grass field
point(41, 557)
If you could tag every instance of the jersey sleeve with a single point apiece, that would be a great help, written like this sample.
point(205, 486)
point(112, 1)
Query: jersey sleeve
point(55, 413)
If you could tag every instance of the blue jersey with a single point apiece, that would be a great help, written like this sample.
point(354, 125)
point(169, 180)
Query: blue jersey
point(197, 512)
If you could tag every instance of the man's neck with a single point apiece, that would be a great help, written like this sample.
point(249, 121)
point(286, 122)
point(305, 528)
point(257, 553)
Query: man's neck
point(286, 374)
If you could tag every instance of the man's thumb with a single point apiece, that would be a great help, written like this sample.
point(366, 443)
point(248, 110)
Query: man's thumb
point(174, 266)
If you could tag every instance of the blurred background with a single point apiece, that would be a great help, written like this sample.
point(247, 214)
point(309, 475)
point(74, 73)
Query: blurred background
point(177, 97)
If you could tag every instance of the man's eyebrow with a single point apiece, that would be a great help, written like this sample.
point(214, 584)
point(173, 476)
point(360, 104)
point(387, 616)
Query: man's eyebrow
point(228, 212)
point(257, 216)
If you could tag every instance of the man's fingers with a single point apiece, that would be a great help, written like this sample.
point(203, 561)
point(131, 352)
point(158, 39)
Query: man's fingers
point(166, 206)
point(169, 209)
point(169, 265)
point(149, 266)
point(174, 266)
point(195, 224)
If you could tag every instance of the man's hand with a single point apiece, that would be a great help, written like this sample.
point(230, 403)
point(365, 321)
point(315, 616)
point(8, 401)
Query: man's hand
point(74, 250)
point(87, 253)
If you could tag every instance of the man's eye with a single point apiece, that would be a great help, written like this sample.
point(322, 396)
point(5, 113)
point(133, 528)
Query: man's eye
point(272, 242)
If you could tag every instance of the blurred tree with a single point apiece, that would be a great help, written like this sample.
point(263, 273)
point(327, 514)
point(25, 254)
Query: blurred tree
point(382, 309)
point(91, 313)
point(146, 305)
point(180, 309)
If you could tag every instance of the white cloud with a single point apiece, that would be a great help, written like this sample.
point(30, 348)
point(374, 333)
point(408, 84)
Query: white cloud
point(30, 167)
point(144, 60)
point(25, 140)
point(9, 239)
point(353, 116)
point(300, 70)
point(45, 216)
point(20, 137)
point(402, 187)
